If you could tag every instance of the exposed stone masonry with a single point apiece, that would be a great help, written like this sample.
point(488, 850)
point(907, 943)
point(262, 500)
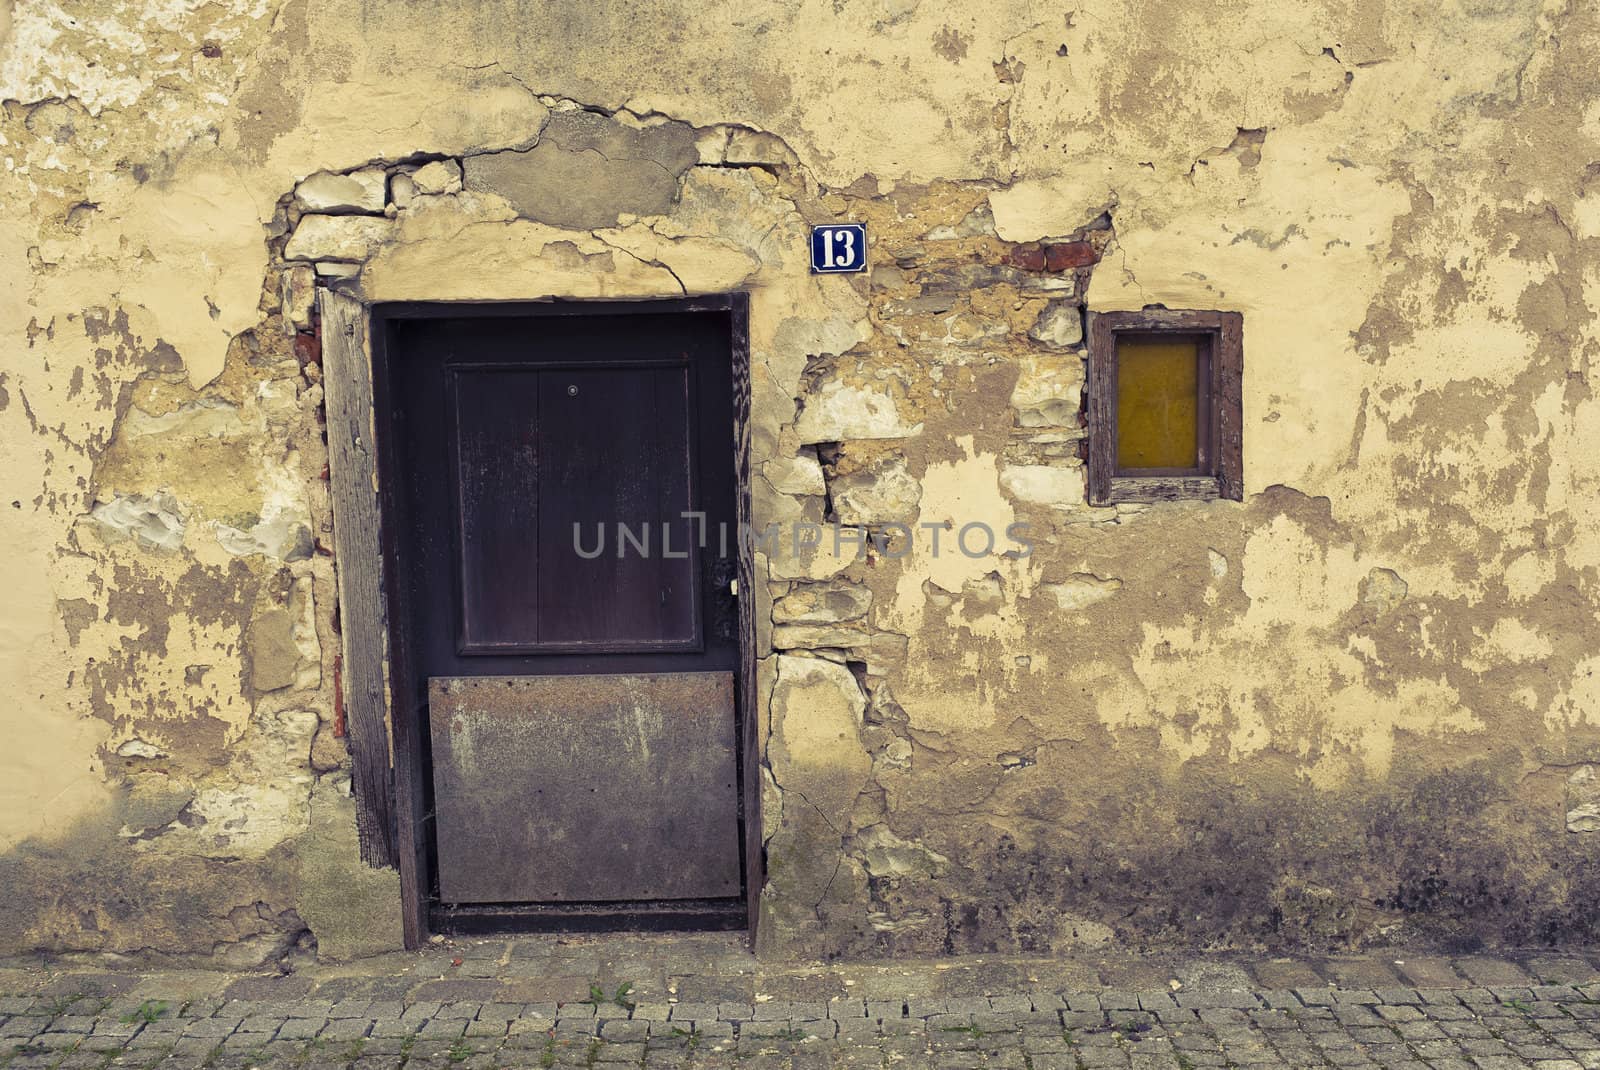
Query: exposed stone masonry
point(951, 296)
point(884, 375)
point(1355, 709)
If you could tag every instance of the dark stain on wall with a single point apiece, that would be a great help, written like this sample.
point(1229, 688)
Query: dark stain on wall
point(1454, 859)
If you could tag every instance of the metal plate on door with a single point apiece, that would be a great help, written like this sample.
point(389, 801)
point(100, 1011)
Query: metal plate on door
point(585, 788)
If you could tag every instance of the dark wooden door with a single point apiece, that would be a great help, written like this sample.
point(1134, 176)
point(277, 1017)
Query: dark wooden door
point(563, 518)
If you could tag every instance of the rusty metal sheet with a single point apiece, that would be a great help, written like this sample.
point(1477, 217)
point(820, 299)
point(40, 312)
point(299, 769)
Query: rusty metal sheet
point(585, 788)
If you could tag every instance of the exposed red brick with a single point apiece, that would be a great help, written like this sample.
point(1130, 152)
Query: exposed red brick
point(1028, 257)
point(339, 727)
point(307, 348)
point(1070, 254)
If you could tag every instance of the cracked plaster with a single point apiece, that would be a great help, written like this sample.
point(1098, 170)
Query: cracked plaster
point(1399, 198)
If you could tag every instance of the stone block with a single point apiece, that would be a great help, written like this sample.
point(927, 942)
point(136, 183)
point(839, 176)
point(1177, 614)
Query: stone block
point(402, 191)
point(777, 1027)
point(337, 237)
point(770, 506)
point(56, 1041)
point(1219, 1000)
point(274, 657)
point(712, 145)
point(969, 277)
point(881, 493)
point(346, 1029)
point(624, 1030)
point(211, 1027)
point(1059, 326)
point(21, 1028)
point(443, 1028)
point(857, 1030)
point(832, 602)
point(358, 191)
point(301, 1028)
point(763, 598)
point(819, 637)
point(817, 711)
point(1431, 974)
point(440, 176)
point(1011, 1004)
point(1049, 390)
point(1061, 487)
point(794, 554)
point(837, 412)
point(798, 475)
point(297, 291)
point(786, 1010)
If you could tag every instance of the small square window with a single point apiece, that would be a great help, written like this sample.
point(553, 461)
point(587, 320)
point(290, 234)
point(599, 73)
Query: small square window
point(1165, 420)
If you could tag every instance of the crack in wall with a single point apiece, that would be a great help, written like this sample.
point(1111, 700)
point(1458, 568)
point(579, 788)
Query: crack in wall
point(947, 385)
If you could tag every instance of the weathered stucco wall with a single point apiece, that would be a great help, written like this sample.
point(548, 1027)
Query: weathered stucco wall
point(1361, 705)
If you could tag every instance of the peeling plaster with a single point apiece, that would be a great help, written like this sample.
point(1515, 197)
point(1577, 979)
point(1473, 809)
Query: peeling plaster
point(1405, 600)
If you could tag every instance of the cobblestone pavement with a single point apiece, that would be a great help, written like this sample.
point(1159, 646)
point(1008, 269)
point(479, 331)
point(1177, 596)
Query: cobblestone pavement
point(705, 1002)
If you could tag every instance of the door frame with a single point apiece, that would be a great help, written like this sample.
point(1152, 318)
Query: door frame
point(388, 740)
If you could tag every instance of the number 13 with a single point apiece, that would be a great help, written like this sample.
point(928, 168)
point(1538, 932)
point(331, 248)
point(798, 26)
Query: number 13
point(845, 255)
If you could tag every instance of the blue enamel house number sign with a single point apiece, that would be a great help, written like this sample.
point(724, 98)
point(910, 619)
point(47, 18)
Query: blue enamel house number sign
point(839, 248)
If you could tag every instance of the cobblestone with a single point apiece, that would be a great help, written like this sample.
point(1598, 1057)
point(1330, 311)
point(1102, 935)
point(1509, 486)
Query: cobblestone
point(431, 1013)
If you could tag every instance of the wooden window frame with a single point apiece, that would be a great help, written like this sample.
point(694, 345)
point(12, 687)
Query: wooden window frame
point(1220, 473)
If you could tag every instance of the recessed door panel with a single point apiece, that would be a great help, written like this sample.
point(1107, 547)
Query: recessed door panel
point(497, 468)
point(573, 788)
point(576, 508)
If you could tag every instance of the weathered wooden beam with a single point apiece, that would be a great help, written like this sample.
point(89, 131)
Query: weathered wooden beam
point(749, 699)
point(352, 474)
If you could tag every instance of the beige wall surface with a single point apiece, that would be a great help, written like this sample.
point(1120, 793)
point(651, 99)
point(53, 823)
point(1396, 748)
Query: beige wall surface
point(1362, 705)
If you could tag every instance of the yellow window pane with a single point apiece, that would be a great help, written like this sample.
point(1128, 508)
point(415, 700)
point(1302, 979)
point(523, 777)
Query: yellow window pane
point(1158, 392)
